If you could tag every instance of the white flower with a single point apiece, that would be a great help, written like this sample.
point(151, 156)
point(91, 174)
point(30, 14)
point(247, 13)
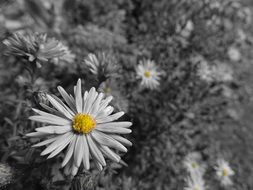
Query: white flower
point(205, 71)
point(234, 54)
point(193, 164)
point(102, 64)
point(149, 74)
point(222, 72)
point(224, 172)
point(195, 183)
point(186, 29)
point(84, 125)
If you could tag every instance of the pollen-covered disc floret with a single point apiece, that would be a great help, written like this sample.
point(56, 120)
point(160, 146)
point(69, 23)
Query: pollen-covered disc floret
point(84, 126)
point(84, 123)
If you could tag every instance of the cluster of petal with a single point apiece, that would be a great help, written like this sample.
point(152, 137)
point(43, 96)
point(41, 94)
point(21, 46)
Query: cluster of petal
point(37, 47)
point(149, 74)
point(101, 64)
point(224, 172)
point(81, 147)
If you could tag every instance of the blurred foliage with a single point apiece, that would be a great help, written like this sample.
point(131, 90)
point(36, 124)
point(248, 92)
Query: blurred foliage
point(187, 113)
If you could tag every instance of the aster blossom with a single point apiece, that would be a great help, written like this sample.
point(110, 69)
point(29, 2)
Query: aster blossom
point(84, 125)
point(193, 164)
point(149, 74)
point(224, 172)
point(34, 47)
point(195, 183)
point(102, 64)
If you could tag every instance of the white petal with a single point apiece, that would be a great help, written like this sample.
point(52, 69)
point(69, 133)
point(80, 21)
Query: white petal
point(60, 148)
point(89, 100)
point(61, 139)
point(110, 118)
point(98, 165)
point(36, 134)
point(95, 106)
point(55, 129)
point(112, 129)
point(110, 154)
point(51, 120)
point(69, 151)
point(78, 94)
point(67, 98)
point(121, 139)
point(74, 170)
point(96, 153)
point(72, 113)
point(60, 107)
point(78, 154)
point(104, 112)
point(105, 102)
point(106, 140)
point(45, 142)
point(124, 124)
point(86, 158)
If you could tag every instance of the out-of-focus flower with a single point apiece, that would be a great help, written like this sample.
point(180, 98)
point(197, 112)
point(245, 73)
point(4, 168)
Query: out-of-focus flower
point(111, 88)
point(222, 72)
point(241, 35)
point(6, 174)
point(186, 29)
point(224, 172)
point(195, 183)
point(102, 64)
point(85, 124)
point(204, 70)
point(193, 164)
point(234, 54)
point(149, 74)
point(68, 57)
point(35, 48)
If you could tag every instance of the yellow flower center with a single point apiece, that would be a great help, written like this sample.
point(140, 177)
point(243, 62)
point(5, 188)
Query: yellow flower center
point(147, 74)
point(83, 123)
point(196, 188)
point(194, 165)
point(225, 172)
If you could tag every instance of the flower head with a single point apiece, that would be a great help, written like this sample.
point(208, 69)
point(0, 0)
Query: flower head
point(103, 65)
point(195, 183)
point(84, 125)
point(193, 164)
point(35, 47)
point(224, 172)
point(149, 74)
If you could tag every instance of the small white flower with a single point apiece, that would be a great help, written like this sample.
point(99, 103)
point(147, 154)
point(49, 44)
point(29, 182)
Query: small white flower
point(102, 64)
point(195, 183)
point(205, 71)
point(193, 164)
point(224, 172)
point(148, 72)
point(234, 54)
point(186, 29)
point(222, 72)
point(84, 125)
